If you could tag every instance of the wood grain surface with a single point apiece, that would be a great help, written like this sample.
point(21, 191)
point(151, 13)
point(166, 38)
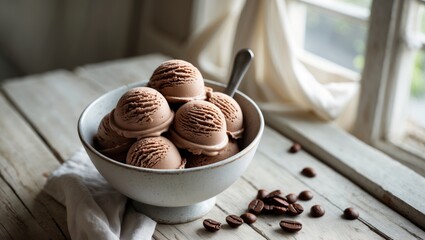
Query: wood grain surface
point(40, 112)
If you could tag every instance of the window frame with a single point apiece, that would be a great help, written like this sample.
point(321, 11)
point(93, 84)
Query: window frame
point(383, 100)
point(377, 124)
point(393, 183)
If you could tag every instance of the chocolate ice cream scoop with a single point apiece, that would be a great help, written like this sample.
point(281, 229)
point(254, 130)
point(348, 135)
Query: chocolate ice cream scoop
point(108, 139)
point(231, 110)
point(179, 81)
point(155, 152)
point(202, 160)
point(109, 143)
point(141, 112)
point(199, 127)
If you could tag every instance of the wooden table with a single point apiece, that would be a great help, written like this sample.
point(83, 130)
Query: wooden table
point(38, 132)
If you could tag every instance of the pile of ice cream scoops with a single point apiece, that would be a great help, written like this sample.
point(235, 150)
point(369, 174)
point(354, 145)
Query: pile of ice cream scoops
point(174, 122)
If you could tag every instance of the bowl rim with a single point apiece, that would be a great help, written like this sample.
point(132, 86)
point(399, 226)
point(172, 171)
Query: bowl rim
point(169, 171)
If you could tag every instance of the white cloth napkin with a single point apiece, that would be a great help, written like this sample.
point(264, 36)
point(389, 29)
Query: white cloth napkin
point(94, 209)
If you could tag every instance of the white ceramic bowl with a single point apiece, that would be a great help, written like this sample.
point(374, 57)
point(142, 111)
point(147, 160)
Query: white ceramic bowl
point(184, 194)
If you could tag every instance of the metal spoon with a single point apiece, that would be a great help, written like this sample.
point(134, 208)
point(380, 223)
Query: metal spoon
point(240, 66)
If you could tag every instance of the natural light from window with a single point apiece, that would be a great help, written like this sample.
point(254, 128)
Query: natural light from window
point(336, 30)
point(416, 110)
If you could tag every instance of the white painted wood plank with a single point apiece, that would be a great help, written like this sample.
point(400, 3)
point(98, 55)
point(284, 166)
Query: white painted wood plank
point(53, 102)
point(263, 173)
point(386, 179)
point(16, 221)
point(195, 229)
point(23, 160)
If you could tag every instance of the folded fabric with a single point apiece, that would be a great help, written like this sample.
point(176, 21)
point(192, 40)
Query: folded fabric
point(94, 209)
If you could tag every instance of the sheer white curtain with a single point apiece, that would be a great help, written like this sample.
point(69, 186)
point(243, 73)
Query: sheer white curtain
point(277, 80)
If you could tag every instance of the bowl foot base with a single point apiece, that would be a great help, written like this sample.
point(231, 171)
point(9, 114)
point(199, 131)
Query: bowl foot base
point(175, 215)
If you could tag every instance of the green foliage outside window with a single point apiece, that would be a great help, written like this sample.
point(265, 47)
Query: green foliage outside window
point(417, 88)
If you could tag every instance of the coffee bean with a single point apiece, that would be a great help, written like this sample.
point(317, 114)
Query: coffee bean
point(261, 194)
point(278, 210)
point(256, 206)
point(291, 198)
point(273, 194)
point(234, 221)
point(279, 202)
point(305, 195)
point(351, 213)
point(290, 225)
point(267, 209)
point(212, 225)
point(308, 172)
point(317, 211)
point(249, 218)
point(296, 147)
point(295, 209)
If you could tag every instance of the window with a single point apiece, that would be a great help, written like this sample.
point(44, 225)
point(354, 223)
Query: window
point(395, 124)
point(383, 43)
point(332, 33)
point(337, 31)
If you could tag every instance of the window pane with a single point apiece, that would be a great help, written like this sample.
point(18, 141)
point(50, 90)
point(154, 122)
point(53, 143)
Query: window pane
point(359, 3)
point(416, 109)
point(335, 37)
point(421, 18)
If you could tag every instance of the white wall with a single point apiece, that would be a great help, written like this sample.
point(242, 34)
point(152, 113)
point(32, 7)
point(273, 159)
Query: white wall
point(37, 36)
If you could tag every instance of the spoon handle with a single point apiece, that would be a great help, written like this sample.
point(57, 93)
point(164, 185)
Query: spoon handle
point(240, 66)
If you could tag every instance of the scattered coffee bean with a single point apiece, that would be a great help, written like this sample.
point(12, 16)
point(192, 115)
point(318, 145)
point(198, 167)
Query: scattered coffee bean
point(296, 147)
point(279, 202)
point(273, 194)
point(351, 213)
point(256, 206)
point(267, 209)
point(249, 218)
point(211, 225)
point(295, 209)
point(278, 210)
point(261, 194)
point(305, 195)
point(290, 225)
point(291, 198)
point(234, 221)
point(308, 172)
point(317, 211)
